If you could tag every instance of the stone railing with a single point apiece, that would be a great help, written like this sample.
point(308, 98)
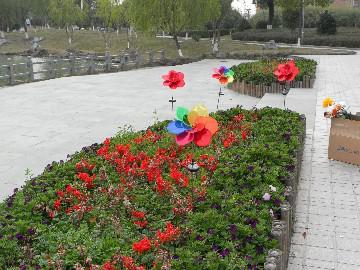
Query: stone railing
point(56, 67)
point(282, 229)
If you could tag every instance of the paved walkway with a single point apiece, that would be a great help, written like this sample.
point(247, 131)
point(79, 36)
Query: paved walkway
point(45, 121)
point(327, 230)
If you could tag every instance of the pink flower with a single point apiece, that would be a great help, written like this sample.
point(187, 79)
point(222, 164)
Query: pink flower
point(266, 197)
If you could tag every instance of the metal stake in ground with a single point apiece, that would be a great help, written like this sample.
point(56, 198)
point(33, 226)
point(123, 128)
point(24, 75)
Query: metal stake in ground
point(285, 91)
point(220, 94)
point(172, 100)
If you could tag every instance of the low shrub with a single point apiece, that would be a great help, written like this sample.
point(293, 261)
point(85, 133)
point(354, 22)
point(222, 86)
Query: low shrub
point(261, 72)
point(261, 25)
point(326, 24)
point(346, 17)
point(130, 203)
point(345, 37)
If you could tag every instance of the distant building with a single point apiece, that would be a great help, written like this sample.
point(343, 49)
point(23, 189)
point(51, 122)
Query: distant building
point(347, 3)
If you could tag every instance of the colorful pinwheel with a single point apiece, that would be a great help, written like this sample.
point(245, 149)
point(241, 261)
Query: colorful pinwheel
point(224, 75)
point(193, 126)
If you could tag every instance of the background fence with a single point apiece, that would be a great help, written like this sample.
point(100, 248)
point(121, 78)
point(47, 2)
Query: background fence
point(55, 67)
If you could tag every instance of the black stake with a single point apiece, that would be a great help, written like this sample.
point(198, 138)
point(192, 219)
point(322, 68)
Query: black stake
point(172, 100)
point(285, 91)
point(220, 94)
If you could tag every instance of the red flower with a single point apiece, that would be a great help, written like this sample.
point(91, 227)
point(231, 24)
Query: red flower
point(174, 79)
point(141, 224)
point(60, 193)
point(87, 179)
point(128, 262)
point(83, 164)
point(51, 214)
point(108, 266)
point(57, 204)
point(287, 71)
point(142, 246)
point(244, 135)
point(230, 139)
point(137, 214)
point(170, 234)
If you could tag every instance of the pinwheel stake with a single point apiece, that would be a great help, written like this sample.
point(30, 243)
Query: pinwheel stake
point(285, 91)
point(225, 76)
point(220, 94)
point(286, 73)
point(193, 167)
point(172, 100)
point(173, 80)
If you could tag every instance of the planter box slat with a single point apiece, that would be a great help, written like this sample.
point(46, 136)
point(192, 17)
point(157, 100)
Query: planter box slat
point(259, 90)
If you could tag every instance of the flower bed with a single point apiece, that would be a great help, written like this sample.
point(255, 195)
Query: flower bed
point(257, 78)
point(131, 203)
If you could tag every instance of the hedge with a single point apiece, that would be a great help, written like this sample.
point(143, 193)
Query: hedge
point(346, 37)
point(130, 203)
point(261, 72)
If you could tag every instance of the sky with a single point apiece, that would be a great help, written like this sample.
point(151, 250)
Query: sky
point(242, 5)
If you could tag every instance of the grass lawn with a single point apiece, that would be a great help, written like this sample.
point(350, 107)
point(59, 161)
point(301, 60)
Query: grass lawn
point(55, 41)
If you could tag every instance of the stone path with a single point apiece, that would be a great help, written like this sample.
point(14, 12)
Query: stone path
point(327, 228)
point(45, 121)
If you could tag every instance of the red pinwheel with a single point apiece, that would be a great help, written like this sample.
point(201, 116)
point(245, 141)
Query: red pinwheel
point(174, 79)
point(286, 72)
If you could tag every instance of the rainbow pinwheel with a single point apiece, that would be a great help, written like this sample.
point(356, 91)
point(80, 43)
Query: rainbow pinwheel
point(193, 126)
point(224, 75)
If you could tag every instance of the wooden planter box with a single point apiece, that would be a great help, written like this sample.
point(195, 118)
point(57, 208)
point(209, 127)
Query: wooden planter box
point(259, 90)
point(344, 141)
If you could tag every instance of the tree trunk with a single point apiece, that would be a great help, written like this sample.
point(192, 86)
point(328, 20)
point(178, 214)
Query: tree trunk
point(128, 37)
point(178, 45)
point(271, 6)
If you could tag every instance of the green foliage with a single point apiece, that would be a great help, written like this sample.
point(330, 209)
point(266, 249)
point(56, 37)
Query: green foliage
point(230, 228)
point(173, 16)
point(261, 72)
point(326, 24)
point(262, 15)
point(347, 17)
point(345, 37)
point(290, 18)
point(65, 13)
point(297, 4)
point(261, 25)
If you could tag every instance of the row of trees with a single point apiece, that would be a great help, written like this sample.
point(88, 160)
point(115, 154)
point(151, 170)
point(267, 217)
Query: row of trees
point(289, 5)
point(171, 16)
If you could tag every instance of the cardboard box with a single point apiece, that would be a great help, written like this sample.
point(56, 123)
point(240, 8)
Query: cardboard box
point(344, 143)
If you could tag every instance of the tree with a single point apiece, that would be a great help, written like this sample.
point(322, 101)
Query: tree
point(109, 12)
point(222, 10)
point(65, 14)
point(270, 4)
point(172, 16)
point(288, 4)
